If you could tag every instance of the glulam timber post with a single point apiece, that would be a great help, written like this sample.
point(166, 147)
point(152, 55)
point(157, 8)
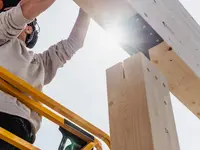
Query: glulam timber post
point(140, 109)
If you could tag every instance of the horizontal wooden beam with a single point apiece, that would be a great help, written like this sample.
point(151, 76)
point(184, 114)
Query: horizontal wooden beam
point(140, 110)
point(119, 18)
point(175, 25)
point(183, 82)
point(168, 18)
point(107, 13)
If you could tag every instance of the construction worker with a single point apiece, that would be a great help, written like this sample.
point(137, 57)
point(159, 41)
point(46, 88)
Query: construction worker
point(18, 32)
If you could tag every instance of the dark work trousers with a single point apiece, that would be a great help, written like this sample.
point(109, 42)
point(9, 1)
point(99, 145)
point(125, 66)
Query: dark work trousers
point(18, 126)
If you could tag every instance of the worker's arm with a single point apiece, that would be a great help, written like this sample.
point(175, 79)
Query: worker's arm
point(57, 55)
point(32, 8)
point(13, 21)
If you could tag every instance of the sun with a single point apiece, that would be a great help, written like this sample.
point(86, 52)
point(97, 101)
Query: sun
point(111, 37)
point(114, 35)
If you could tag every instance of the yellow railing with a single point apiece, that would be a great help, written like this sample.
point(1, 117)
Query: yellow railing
point(15, 86)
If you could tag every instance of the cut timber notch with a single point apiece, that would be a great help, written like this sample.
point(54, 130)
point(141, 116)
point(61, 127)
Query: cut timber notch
point(140, 110)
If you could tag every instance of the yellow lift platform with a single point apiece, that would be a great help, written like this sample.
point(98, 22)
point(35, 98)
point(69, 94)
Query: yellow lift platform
point(73, 127)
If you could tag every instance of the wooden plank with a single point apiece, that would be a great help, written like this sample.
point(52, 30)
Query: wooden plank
point(140, 110)
point(183, 82)
point(175, 25)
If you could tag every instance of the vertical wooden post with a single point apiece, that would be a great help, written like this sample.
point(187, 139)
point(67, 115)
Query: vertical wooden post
point(140, 110)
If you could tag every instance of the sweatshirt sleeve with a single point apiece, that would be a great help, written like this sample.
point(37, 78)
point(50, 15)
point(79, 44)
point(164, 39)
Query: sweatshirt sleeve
point(12, 22)
point(57, 55)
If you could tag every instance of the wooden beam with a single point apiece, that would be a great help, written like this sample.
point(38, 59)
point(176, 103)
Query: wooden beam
point(119, 18)
point(175, 25)
point(140, 110)
point(183, 82)
point(167, 17)
point(165, 21)
point(107, 12)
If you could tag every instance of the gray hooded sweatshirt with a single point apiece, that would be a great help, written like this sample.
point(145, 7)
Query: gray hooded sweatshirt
point(36, 69)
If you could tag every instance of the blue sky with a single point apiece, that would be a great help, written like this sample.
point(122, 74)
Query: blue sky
point(81, 84)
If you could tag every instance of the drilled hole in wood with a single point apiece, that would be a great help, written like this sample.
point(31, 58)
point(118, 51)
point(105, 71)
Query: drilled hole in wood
point(155, 61)
point(170, 60)
point(148, 69)
point(164, 23)
point(194, 103)
point(110, 104)
point(165, 102)
point(198, 114)
point(166, 130)
point(156, 77)
point(164, 85)
point(170, 49)
point(123, 74)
